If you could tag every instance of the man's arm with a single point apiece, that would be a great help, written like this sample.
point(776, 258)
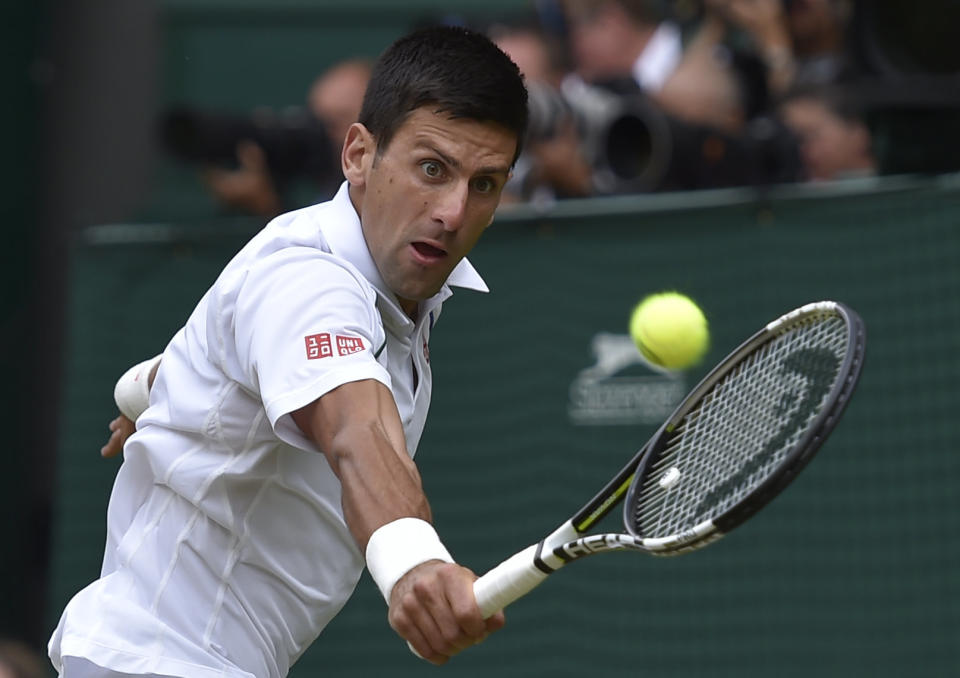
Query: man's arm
point(358, 428)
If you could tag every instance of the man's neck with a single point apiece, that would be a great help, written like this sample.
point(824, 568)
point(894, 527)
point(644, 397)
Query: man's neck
point(410, 307)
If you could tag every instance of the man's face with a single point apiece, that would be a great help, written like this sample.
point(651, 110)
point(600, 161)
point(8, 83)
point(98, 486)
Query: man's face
point(600, 41)
point(427, 198)
point(830, 146)
point(336, 98)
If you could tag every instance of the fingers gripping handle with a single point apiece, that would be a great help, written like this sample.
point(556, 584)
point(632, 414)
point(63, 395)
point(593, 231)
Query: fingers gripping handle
point(515, 576)
point(509, 580)
point(502, 585)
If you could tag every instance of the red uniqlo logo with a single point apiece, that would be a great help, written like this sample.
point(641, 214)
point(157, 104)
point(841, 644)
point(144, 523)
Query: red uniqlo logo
point(321, 345)
point(348, 345)
point(318, 346)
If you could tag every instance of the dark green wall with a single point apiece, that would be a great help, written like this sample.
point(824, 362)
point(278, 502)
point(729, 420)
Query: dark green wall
point(853, 571)
point(26, 465)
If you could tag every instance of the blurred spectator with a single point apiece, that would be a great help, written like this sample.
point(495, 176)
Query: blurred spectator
point(835, 142)
point(19, 661)
point(638, 108)
point(337, 95)
point(705, 89)
point(818, 30)
point(335, 99)
point(615, 39)
point(553, 164)
point(800, 42)
point(655, 114)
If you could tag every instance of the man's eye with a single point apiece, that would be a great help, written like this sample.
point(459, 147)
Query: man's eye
point(432, 169)
point(484, 185)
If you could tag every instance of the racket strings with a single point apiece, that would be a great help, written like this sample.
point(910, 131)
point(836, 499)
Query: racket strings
point(743, 429)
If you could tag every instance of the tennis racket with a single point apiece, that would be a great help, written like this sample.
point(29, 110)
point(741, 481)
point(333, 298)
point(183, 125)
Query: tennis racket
point(734, 443)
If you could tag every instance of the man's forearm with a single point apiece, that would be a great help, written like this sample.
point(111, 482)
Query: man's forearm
point(378, 485)
point(358, 429)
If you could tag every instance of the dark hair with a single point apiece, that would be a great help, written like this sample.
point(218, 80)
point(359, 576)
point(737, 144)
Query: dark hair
point(457, 71)
point(639, 12)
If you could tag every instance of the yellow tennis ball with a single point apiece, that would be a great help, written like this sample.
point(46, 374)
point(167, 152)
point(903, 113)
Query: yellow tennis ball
point(670, 330)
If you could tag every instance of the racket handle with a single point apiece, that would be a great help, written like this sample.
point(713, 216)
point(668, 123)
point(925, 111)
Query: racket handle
point(504, 584)
point(511, 579)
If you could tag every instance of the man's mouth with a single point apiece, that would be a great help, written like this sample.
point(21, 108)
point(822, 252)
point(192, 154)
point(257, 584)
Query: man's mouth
point(428, 251)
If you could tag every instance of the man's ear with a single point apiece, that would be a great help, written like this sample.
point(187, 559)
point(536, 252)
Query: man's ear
point(358, 154)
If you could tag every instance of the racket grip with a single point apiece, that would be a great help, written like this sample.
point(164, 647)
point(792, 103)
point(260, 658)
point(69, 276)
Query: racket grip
point(511, 579)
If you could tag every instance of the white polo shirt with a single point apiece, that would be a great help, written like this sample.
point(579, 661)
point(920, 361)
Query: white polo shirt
point(227, 551)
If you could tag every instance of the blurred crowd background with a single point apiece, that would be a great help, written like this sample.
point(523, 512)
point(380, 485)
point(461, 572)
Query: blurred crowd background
point(111, 118)
point(640, 96)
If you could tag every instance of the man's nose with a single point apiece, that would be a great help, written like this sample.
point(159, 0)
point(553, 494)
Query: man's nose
point(451, 208)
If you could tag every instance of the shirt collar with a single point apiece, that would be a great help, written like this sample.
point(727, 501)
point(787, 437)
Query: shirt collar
point(344, 235)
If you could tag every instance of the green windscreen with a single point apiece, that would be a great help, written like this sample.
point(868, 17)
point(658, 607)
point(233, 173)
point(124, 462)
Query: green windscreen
point(853, 571)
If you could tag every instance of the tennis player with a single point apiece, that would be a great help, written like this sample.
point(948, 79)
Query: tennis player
point(275, 458)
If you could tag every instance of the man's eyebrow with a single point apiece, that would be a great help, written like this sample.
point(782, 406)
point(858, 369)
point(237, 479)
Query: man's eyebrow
point(494, 170)
point(454, 163)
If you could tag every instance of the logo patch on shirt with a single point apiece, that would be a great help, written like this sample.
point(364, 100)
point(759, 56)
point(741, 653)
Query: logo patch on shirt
point(348, 345)
point(322, 345)
point(318, 346)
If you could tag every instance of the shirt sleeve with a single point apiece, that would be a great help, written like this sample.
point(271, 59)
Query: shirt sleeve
point(305, 323)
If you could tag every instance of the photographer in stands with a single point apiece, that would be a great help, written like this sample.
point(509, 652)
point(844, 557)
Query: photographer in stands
point(249, 161)
point(654, 114)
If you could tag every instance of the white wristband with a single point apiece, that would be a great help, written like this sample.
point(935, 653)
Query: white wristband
point(399, 546)
point(132, 392)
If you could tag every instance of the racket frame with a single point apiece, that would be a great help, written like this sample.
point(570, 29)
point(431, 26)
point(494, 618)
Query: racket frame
point(523, 571)
point(804, 450)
